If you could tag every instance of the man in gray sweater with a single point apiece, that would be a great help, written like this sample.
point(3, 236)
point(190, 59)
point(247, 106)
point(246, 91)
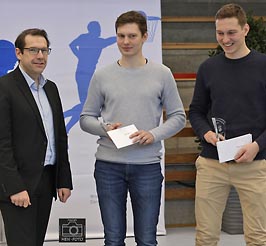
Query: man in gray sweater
point(132, 90)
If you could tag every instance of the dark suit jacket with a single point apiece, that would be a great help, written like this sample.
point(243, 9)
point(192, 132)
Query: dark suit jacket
point(22, 137)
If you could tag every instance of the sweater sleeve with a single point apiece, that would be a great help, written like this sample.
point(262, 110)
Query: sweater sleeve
point(261, 140)
point(175, 114)
point(89, 118)
point(199, 107)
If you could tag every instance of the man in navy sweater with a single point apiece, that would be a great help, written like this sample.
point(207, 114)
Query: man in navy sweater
point(231, 87)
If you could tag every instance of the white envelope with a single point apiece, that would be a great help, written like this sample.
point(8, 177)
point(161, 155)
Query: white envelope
point(120, 136)
point(227, 149)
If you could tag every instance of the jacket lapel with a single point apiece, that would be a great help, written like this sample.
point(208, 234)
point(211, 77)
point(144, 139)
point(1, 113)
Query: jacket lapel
point(23, 86)
point(53, 100)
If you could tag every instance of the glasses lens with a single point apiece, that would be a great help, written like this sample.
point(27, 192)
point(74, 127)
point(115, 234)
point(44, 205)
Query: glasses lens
point(35, 51)
point(49, 50)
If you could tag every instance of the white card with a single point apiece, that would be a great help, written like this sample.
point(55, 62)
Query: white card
point(120, 136)
point(227, 149)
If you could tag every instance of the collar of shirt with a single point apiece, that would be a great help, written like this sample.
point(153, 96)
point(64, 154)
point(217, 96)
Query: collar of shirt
point(31, 82)
point(46, 114)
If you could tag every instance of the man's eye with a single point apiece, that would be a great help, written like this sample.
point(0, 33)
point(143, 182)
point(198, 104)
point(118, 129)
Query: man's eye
point(34, 50)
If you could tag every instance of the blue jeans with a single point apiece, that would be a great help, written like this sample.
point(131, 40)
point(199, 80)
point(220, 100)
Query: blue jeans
point(144, 183)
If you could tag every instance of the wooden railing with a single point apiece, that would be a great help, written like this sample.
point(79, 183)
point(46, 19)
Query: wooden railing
point(187, 19)
point(185, 76)
point(189, 46)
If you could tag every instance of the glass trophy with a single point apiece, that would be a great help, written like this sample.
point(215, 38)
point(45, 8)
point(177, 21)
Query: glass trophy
point(219, 126)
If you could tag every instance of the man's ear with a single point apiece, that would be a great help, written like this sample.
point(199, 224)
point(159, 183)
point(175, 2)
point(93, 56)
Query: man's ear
point(246, 29)
point(18, 53)
point(145, 37)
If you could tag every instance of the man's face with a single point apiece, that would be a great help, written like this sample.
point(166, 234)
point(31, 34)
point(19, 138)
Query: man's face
point(33, 64)
point(231, 37)
point(130, 40)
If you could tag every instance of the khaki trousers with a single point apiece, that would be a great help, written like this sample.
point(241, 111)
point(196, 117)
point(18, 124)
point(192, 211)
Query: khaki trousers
point(213, 184)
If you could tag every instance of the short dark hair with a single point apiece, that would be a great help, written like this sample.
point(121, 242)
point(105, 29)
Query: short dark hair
point(20, 41)
point(232, 10)
point(132, 17)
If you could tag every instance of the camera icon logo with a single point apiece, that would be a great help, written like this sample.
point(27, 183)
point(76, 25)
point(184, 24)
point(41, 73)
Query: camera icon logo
point(72, 230)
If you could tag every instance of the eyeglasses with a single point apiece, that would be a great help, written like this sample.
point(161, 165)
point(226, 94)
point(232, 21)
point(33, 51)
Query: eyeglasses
point(35, 51)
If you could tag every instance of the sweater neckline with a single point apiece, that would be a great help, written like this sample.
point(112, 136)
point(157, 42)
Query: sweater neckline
point(241, 59)
point(146, 61)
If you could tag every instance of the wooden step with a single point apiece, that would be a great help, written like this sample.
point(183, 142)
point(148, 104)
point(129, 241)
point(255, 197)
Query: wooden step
point(181, 158)
point(179, 155)
point(185, 132)
point(179, 193)
point(182, 175)
point(176, 156)
point(179, 225)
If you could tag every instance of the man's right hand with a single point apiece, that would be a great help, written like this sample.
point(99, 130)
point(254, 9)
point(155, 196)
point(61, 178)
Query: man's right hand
point(211, 137)
point(113, 126)
point(21, 199)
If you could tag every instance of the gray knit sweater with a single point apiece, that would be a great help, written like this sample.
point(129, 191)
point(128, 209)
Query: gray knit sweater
point(133, 96)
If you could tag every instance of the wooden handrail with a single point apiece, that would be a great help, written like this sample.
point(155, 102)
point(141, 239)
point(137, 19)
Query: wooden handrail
point(190, 46)
point(187, 19)
point(185, 79)
point(184, 75)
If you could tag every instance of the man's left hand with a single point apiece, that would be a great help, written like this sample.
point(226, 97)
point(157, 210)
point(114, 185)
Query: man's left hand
point(142, 137)
point(247, 153)
point(63, 194)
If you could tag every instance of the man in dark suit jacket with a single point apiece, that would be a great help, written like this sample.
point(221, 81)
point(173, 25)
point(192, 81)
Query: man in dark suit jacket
point(34, 165)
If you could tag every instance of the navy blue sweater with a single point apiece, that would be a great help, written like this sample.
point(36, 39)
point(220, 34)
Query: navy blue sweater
point(234, 90)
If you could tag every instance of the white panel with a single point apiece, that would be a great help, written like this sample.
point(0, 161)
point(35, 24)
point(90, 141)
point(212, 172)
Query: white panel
point(64, 21)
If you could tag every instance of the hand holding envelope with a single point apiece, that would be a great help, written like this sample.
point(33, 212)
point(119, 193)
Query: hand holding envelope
point(120, 136)
point(228, 149)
